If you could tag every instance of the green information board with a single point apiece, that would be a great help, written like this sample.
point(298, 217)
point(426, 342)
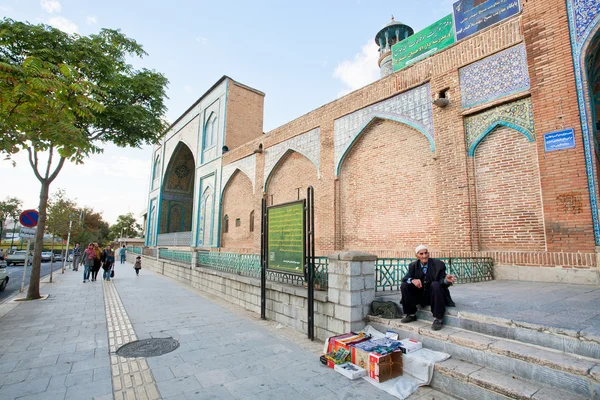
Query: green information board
point(285, 237)
point(424, 43)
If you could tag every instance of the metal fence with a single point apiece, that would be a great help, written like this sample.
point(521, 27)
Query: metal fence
point(249, 265)
point(181, 256)
point(390, 271)
point(136, 250)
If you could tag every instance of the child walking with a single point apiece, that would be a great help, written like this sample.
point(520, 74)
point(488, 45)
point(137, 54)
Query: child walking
point(138, 264)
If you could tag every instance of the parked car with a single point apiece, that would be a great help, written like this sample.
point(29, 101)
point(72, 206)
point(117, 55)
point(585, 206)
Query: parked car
point(58, 257)
point(47, 256)
point(70, 257)
point(18, 257)
point(3, 277)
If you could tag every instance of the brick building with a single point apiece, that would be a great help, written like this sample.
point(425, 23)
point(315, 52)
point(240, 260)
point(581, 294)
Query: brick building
point(484, 147)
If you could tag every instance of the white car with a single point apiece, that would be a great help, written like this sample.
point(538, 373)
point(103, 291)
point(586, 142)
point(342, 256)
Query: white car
point(3, 277)
point(47, 256)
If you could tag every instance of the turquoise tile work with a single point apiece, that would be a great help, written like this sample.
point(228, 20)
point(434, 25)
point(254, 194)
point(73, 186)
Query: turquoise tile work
point(496, 76)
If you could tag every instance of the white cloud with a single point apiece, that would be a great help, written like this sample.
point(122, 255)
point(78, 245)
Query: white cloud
point(91, 20)
point(202, 40)
point(63, 24)
point(51, 6)
point(359, 71)
point(188, 89)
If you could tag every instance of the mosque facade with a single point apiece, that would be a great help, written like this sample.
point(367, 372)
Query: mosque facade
point(480, 139)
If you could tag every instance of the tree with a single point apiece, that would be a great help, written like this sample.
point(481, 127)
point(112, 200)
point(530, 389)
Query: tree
point(90, 228)
point(126, 226)
point(9, 208)
point(65, 95)
point(61, 210)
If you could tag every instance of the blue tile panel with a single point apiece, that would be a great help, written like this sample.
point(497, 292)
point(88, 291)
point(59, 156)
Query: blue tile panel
point(517, 115)
point(496, 76)
point(584, 19)
point(412, 107)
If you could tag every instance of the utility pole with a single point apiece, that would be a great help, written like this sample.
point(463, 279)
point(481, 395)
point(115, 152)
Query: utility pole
point(67, 252)
point(12, 238)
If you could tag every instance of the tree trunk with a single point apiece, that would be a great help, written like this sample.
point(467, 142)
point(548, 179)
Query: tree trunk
point(33, 292)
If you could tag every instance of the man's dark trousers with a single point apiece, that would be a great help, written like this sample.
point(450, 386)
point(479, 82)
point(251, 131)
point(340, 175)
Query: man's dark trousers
point(429, 294)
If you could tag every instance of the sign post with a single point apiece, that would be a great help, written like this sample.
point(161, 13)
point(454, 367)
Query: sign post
point(29, 219)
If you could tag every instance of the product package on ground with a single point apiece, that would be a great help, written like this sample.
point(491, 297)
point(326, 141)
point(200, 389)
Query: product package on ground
point(382, 346)
point(339, 356)
point(346, 340)
point(350, 370)
point(384, 367)
point(410, 345)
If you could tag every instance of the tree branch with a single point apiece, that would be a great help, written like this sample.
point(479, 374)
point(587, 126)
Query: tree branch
point(57, 170)
point(49, 161)
point(34, 164)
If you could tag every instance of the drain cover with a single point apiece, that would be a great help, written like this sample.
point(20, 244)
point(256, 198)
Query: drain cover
point(148, 348)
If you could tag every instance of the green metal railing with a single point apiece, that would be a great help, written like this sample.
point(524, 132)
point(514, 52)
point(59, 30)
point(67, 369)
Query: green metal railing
point(249, 265)
point(175, 255)
point(390, 271)
point(136, 250)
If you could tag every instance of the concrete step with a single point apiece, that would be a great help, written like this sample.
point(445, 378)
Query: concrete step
point(574, 374)
point(473, 382)
point(582, 343)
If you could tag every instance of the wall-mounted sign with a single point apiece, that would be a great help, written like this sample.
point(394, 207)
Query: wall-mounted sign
point(559, 140)
point(285, 237)
point(424, 43)
point(471, 16)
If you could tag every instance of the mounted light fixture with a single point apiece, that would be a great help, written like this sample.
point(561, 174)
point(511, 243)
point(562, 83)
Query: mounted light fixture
point(441, 102)
point(225, 149)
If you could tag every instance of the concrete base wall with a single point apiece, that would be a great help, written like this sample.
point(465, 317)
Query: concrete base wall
point(286, 304)
point(548, 274)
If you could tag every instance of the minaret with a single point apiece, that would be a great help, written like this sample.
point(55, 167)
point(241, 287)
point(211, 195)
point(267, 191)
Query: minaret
point(389, 35)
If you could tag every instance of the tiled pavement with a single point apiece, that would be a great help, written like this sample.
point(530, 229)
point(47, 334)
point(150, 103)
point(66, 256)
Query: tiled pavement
point(59, 348)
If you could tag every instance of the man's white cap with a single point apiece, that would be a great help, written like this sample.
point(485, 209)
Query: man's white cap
point(419, 248)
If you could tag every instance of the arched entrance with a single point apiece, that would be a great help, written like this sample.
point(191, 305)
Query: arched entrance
point(584, 26)
point(177, 199)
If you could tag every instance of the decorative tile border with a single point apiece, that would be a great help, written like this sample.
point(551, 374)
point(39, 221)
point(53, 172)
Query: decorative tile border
point(496, 76)
point(308, 144)
point(584, 18)
point(517, 115)
point(247, 165)
point(412, 107)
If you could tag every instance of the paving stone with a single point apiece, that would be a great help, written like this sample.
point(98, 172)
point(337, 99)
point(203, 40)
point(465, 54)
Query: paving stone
point(49, 370)
point(212, 378)
point(457, 369)
point(13, 377)
point(471, 339)
point(56, 394)
point(8, 366)
point(24, 388)
point(89, 390)
point(284, 392)
point(37, 362)
point(179, 386)
point(89, 364)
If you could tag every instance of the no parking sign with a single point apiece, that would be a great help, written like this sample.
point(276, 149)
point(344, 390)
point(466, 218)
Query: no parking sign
point(29, 218)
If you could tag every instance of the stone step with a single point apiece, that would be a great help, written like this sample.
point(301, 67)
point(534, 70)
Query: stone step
point(586, 344)
point(572, 373)
point(473, 382)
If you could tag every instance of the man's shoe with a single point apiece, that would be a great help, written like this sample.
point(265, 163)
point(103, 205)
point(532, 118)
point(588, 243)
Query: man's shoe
point(408, 318)
point(437, 325)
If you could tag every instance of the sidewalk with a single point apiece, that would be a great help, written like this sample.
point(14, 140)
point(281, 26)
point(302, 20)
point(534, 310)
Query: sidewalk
point(59, 348)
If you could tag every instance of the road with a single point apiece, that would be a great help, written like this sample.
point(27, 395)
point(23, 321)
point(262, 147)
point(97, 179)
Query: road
point(15, 273)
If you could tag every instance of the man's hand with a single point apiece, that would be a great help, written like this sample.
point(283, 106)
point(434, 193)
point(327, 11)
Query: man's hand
point(417, 283)
point(450, 278)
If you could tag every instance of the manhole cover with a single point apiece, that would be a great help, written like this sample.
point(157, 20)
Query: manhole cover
point(148, 348)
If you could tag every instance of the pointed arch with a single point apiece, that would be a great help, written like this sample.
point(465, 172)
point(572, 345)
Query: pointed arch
point(205, 230)
point(230, 178)
point(282, 159)
point(377, 117)
point(493, 126)
point(209, 137)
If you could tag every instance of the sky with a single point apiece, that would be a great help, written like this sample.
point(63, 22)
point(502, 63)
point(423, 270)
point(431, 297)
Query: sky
point(300, 54)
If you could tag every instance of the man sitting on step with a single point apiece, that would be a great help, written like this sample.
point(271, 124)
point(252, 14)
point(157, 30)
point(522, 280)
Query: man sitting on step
point(426, 283)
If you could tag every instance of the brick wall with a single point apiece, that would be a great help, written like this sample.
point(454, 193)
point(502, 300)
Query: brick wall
point(388, 198)
point(508, 193)
point(237, 203)
point(245, 108)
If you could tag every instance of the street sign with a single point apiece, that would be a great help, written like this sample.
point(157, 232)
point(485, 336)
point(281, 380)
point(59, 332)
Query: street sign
point(27, 233)
point(29, 218)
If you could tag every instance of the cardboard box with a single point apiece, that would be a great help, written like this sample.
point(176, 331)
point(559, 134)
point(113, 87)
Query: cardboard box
point(360, 357)
point(383, 368)
point(410, 345)
point(391, 335)
point(345, 341)
point(351, 371)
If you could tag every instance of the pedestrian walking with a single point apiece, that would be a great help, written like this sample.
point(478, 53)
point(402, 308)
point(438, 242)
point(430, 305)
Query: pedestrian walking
point(138, 264)
point(97, 262)
point(87, 260)
point(122, 253)
point(76, 257)
point(108, 261)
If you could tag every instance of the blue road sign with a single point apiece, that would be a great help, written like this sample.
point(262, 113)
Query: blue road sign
point(29, 218)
